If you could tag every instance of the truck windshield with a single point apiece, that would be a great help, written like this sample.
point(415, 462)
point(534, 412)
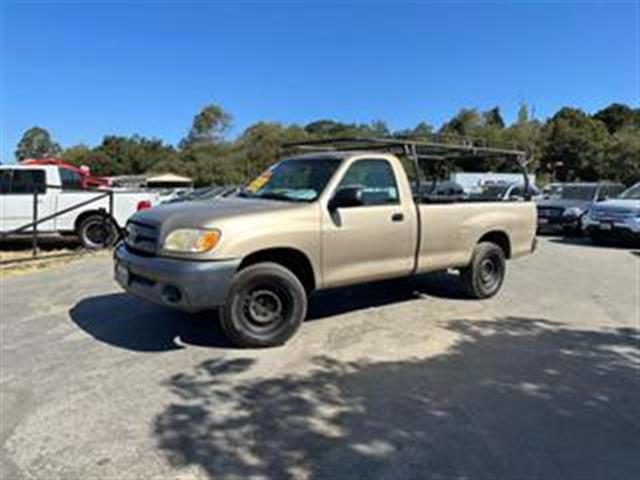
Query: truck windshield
point(632, 193)
point(293, 180)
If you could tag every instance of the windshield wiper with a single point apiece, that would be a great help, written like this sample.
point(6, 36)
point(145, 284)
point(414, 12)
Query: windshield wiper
point(246, 194)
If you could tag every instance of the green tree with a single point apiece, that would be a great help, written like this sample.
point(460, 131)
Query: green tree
point(623, 156)
point(423, 129)
point(465, 123)
point(36, 143)
point(100, 164)
point(208, 164)
point(617, 116)
point(525, 135)
point(493, 118)
point(573, 145)
point(379, 128)
point(209, 126)
point(260, 145)
point(523, 114)
point(134, 155)
point(76, 155)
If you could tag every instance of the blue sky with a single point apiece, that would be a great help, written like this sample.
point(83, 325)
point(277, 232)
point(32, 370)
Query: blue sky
point(86, 69)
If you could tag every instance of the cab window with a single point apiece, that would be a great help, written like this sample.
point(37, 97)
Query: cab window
point(5, 181)
point(23, 181)
point(70, 180)
point(375, 178)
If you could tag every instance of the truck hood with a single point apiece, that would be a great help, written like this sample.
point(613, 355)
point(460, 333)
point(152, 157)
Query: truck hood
point(617, 206)
point(629, 203)
point(207, 212)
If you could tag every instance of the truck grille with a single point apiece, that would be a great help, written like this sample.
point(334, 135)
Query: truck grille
point(142, 238)
point(550, 212)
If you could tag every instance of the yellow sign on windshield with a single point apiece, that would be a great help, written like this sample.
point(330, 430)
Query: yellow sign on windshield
point(259, 181)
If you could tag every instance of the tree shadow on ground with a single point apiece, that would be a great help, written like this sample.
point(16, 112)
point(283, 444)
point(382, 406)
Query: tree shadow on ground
point(514, 398)
point(126, 322)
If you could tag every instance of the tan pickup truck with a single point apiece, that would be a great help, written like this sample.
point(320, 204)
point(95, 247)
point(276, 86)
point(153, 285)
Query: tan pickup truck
point(322, 219)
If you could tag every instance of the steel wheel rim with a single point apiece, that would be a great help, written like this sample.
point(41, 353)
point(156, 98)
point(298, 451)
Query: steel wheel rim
point(265, 309)
point(490, 272)
point(97, 233)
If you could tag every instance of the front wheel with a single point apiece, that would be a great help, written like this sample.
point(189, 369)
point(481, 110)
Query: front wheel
point(96, 231)
point(484, 276)
point(265, 306)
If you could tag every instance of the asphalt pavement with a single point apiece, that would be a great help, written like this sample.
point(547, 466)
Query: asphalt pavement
point(384, 381)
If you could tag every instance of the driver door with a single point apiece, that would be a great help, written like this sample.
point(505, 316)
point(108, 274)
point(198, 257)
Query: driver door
point(371, 241)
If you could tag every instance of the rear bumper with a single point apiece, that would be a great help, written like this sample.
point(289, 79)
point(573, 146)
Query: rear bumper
point(188, 285)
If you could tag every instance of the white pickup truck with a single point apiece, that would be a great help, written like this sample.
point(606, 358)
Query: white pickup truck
point(59, 190)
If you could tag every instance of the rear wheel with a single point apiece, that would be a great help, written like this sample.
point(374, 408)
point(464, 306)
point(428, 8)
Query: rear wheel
point(96, 231)
point(265, 306)
point(484, 276)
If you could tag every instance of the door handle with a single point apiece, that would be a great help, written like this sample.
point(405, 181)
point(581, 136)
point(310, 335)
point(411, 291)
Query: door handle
point(397, 217)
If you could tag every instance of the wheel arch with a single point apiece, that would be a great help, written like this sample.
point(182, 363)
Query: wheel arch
point(499, 238)
point(291, 258)
point(90, 213)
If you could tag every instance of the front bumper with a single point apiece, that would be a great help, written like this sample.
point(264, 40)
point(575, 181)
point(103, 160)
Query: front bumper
point(558, 223)
point(630, 225)
point(627, 231)
point(188, 285)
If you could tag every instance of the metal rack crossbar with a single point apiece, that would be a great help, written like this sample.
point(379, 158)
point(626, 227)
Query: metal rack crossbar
point(417, 150)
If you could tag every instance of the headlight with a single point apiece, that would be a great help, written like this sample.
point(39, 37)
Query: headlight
point(189, 240)
point(572, 212)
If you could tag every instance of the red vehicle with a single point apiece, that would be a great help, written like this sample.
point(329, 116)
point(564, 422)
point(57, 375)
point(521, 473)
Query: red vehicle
point(88, 180)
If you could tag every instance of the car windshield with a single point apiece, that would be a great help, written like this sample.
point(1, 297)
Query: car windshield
point(574, 192)
point(293, 180)
point(632, 193)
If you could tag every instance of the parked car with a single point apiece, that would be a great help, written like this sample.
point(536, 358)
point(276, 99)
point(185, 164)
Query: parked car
point(59, 189)
point(565, 205)
point(503, 192)
point(616, 220)
point(204, 193)
point(444, 190)
point(314, 221)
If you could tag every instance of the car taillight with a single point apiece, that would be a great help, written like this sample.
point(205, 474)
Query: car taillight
point(143, 205)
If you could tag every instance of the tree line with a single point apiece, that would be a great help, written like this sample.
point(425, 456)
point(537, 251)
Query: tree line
point(570, 145)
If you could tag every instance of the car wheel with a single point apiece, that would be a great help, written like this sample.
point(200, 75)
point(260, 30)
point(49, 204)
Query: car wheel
point(265, 306)
point(484, 276)
point(96, 232)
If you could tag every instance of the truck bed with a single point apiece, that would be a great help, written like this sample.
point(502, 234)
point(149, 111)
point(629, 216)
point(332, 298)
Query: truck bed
point(449, 231)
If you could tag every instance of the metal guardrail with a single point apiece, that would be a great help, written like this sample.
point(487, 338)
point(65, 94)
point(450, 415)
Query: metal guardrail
point(107, 216)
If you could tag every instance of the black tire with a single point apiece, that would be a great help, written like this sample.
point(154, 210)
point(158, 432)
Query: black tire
point(485, 274)
point(265, 306)
point(95, 232)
